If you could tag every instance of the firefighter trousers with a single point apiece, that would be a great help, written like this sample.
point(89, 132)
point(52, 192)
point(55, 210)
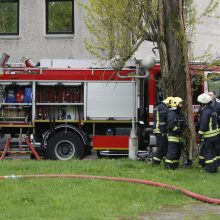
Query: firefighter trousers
point(201, 154)
point(217, 152)
point(161, 143)
point(209, 152)
point(173, 155)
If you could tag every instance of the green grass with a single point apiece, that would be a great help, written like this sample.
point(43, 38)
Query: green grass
point(95, 199)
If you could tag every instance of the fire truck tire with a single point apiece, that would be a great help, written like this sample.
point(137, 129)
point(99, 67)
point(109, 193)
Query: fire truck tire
point(65, 146)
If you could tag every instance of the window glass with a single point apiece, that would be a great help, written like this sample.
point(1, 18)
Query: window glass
point(9, 17)
point(213, 80)
point(59, 16)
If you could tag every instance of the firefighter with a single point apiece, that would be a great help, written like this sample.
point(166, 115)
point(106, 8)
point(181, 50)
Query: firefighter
point(212, 94)
point(175, 127)
point(199, 141)
point(216, 106)
point(160, 130)
point(208, 130)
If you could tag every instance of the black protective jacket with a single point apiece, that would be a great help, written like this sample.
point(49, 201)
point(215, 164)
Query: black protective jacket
point(197, 122)
point(160, 118)
point(175, 122)
point(216, 107)
point(208, 125)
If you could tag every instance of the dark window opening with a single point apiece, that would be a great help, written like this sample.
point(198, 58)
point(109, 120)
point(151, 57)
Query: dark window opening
point(9, 17)
point(197, 81)
point(158, 93)
point(59, 16)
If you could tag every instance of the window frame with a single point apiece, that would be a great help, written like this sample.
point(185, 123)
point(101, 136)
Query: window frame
point(18, 16)
point(47, 17)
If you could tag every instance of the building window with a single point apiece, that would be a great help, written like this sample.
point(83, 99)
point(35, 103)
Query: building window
point(9, 17)
point(59, 17)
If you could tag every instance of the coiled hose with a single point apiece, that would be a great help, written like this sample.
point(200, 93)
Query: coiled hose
point(129, 180)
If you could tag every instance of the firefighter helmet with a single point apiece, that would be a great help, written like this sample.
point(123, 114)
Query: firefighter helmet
point(176, 101)
point(204, 98)
point(168, 100)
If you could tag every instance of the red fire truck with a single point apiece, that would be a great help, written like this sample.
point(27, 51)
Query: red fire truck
point(62, 109)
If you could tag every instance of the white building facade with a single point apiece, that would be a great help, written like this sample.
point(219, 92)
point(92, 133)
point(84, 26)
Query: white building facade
point(31, 38)
point(33, 35)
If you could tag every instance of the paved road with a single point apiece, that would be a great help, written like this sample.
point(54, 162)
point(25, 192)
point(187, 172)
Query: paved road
point(195, 210)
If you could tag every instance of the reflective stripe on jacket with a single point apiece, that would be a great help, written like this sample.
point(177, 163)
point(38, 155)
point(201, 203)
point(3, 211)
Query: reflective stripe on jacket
point(160, 118)
point(209, 126)
point(173, 125)
point(177, 139)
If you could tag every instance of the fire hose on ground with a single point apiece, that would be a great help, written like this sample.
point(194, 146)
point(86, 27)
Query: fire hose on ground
point(129, 180)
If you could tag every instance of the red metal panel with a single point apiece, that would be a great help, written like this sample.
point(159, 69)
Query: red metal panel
point(66, 74)
point(102, 142)
point(151, 87)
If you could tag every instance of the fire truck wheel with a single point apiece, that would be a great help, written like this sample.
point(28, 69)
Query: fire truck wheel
point(65, 146)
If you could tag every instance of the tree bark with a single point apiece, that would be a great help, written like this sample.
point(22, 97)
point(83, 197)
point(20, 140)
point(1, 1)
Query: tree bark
point(172, 45)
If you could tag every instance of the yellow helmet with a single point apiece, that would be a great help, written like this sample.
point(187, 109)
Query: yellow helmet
point(168, 100)
point(175, 102)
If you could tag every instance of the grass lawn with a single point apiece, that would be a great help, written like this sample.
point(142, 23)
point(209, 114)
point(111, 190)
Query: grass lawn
point(83, 199)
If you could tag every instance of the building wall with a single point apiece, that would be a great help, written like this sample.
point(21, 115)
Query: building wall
point(34, 43)
point(207, 31)
point(206, 37)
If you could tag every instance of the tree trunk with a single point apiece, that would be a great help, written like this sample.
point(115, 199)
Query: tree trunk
point(172, 44)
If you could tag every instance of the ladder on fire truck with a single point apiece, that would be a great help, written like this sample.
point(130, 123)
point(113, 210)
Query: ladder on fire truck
point(20, 150)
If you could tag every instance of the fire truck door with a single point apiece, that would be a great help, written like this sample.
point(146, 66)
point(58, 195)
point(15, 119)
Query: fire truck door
point(111, 100)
